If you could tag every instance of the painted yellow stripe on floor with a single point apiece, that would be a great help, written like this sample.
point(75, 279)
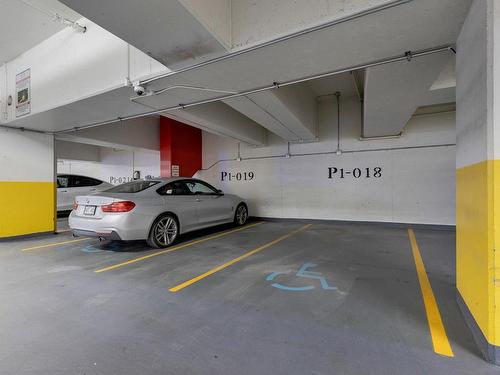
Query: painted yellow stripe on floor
point(55, 244)
point(438, 333)
point(231, 262)
point(170, 249)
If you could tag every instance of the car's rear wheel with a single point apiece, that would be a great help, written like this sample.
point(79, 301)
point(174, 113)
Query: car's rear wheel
point(241, 214)
point(164, 232)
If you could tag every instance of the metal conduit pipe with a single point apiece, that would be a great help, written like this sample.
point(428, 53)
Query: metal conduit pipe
point(381, 137)
point(289, 155)
point(351, 17)
point(274, 85)
point(187, 87)
point(22, 129)
point(294, 35)
point(338, 151)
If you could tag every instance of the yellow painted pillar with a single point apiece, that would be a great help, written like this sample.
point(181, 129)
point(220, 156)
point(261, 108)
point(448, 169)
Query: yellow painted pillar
point(27, 188)
point(478, 174)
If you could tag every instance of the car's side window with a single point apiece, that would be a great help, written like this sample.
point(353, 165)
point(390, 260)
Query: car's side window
point(81, 181)
point(200, 188)
point(62, 181)
point(95, 181)
point(174, 188)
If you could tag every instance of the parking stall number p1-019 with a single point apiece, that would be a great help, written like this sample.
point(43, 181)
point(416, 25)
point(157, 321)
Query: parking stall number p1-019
point(237, 176)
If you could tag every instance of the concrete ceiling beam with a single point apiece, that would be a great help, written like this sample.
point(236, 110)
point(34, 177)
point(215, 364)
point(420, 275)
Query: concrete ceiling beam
point(289, 112)
point(174, 32)
point(219, 118)
point(393, 92)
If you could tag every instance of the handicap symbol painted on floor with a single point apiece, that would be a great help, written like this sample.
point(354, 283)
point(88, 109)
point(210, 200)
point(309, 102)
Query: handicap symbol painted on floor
point(304, 273)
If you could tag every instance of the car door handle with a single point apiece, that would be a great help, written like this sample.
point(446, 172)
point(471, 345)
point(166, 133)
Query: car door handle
point(198, 200)
point(63, 191)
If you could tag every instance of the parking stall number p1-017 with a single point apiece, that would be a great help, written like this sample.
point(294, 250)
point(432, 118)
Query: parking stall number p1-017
point(341, 173)
point(237, 176)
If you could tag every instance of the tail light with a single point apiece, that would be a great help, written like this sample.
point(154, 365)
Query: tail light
point(75, 206)
point(123, 206)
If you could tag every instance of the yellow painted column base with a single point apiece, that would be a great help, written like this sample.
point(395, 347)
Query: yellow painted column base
point(26, 208)
point(478, 235)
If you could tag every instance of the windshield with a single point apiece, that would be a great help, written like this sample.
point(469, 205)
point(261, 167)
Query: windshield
point(132, 187)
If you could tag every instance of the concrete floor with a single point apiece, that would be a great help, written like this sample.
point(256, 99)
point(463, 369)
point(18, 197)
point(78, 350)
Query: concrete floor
point(60, 317)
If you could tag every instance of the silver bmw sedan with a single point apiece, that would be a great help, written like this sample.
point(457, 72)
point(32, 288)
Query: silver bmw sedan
point(157, 210)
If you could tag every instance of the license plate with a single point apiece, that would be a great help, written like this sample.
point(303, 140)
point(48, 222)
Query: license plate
point(89, 210)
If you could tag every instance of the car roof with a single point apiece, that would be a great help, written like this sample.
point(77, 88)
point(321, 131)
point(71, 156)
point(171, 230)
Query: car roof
point(76, 175)
point(167, 179)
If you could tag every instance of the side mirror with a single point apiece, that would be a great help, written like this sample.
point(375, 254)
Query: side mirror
point(220, 192)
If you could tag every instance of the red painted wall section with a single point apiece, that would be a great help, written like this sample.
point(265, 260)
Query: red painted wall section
point(180, 144)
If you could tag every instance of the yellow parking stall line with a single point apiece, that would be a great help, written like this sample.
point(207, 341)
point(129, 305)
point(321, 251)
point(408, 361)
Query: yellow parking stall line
point(54, 244)
point(439, 338)
point(178, 247)
point(235, 260)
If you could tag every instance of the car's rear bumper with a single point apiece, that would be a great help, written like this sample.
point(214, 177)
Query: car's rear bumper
point(126, 227)
point(114, 236)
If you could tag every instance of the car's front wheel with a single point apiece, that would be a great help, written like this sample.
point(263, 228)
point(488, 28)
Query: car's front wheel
point(241, 214)
point(164, 231)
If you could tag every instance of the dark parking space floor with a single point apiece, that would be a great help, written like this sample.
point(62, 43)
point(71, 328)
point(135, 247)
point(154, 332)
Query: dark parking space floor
point(272, 297)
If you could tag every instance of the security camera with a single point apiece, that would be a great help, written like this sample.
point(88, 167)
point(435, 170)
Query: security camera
point(139, 90)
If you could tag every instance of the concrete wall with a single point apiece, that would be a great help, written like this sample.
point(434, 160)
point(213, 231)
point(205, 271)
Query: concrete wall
point(3, 94)
point(115, 166)
point(70, 66)
point(473, 116)
point(416, 185)
point(27, 191)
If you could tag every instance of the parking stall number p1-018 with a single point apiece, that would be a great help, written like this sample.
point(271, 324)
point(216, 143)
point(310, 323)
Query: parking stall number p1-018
point(341, 173)
point(237, 176)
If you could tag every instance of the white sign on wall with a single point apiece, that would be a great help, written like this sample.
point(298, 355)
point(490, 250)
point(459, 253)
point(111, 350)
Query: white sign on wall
point(23, 93)
point(175, 171)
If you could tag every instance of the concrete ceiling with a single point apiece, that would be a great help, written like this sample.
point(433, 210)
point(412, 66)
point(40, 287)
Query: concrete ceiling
point(164, 30)
point(376, 36)
point(136, 134)
point(24, 24)
point(362, 40)
point(107, 106)
point(343, 83)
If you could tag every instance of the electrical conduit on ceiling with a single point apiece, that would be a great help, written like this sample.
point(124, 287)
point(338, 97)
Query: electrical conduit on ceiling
point(274, 85)
point(366, 12)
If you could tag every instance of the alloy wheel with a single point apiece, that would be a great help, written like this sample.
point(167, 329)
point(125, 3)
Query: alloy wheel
point(166, 231)
point(241, 215)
